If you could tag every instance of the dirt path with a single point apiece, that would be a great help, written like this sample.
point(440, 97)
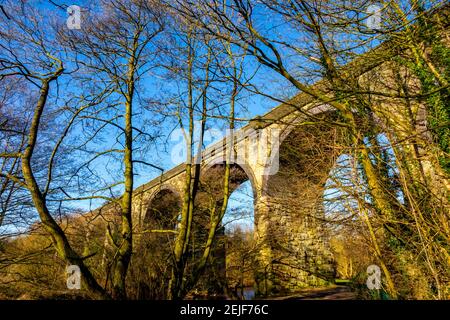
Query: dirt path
point(333, 293)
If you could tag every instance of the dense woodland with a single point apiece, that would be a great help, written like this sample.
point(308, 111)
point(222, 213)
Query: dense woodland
point(86, 112)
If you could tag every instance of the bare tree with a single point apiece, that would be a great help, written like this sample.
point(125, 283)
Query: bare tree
point(39, 71)
point(121, 58)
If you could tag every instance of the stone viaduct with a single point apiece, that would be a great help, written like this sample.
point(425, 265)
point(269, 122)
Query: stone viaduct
point(287, 158)
point(287, 164)
point(287, 161)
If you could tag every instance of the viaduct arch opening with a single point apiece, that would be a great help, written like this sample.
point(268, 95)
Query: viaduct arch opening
point(290, 215)
point(151, 268)
point(210, 197)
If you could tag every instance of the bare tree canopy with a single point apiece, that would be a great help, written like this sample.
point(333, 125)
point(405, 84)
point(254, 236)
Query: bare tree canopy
point(224, 148)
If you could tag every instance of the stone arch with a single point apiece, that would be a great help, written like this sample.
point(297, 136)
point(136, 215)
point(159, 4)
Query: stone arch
point(210, 192)
point(163, 206)
point(290, 132)
point(163, 187)
point(240, 174)
point(246, 168)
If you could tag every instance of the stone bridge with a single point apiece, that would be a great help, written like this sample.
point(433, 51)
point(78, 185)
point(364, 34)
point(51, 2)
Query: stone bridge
point(287, 155)
point(287, 163)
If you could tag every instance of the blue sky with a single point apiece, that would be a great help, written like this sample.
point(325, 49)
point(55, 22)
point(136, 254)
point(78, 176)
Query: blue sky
point(154, 88)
